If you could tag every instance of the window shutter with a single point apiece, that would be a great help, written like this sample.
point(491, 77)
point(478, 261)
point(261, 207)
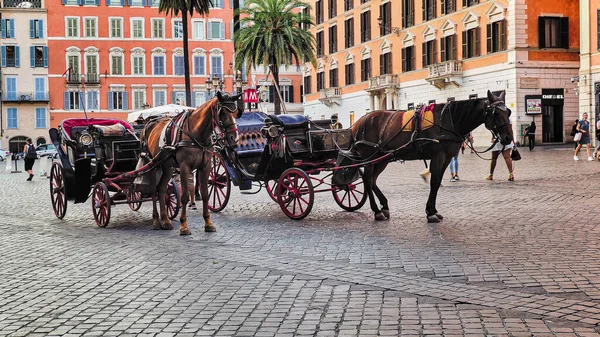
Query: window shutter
point(453, 45)
point(110, 100)
point(271, 94)
point(41, 29)
point(150, 3)
point(381, 65)
point(82, 101)
point(17, 56)
point(66, 100)
point(125, 100)
point(3, 52)
point(89, 100)
point(423, 7)
point(222, 30)
point(97, 2)
point(3, 27)
point(465, 3)
point(465, 43)
point(173, 98)
point(45, 57)
point(424, 54)
point(231, 30)
point(12, 28)
point(231, 4)
point(194, 99)
point(128, 2)
point(564, 33)
point(503, 42)
point(209, 37)
point(443, 48)
point(434, 56)
point(489, 37)
point(404, 13)
point(64, 2)
point(31, 29)
point(122, 2)
point(404, 65)
point(443, 5)
point(598, 28)
point(477, 41)
point(541, 32)
point(32, 56)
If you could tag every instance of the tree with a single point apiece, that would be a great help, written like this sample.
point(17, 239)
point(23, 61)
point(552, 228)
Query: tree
point(274, 34)
point(185, 7)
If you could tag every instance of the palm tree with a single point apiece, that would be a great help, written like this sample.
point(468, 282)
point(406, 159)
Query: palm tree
point(173, 8)
point(274, 35)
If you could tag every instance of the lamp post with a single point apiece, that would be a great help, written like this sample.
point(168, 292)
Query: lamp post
point(215, 83)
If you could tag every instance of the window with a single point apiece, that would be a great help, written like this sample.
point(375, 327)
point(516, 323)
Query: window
point(38, 56)
point(137, 28)
point(332, 39)
point(72, 27)
point(11, 56)
point(307, 85)
point(385, 63)
point(8, 28)
point(217, 4)
point(116, 27)
point(320, 44)
point(365, 70)
point(199, 65)
point(137, 65)
point(89, 2)
point(385, 14)
point(160, 97)
point(332, 8)
point(115, 2)
point(468, 3)
point(333, 78)
point(158, 28)
point(90, 27)
point(365, 26)
point(12, 118)
point(470, 43)
point(349, 74)
point(178, 97)
point(11, 88)
point(320, 81)
point(287, 93)
point(429, 53)
point(429, 10)
point(177, 29)
point(216, 30)
point(448, 48)
point(216, 66)
point(348, 5)
point(155, 3)
point(139, 99)
point(448, 6)
point(305, 14)
point(36, 29)
point(117, 65)
point(408, 59)
point(178, 65)
point(40, 118)
point(92, 101)
point(319, 11)
point(40, 89)
point(199, 98)
point(198, 30)
point(73, 100)
point(91, 65)
point(473, 96)
point(137, 3)
point(349, 33)
point(117, 100)
point(553, 32)
point(408, 13)
point(496, 36)
point(158, 62)
point(73, 64)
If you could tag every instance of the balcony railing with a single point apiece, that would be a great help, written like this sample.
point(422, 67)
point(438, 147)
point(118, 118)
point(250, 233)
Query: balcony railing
point(21, 3)
point(92, 78)
point(441, 74)
point(73, 78)
point(26, 97)
point(330, 96)
point(382, 82)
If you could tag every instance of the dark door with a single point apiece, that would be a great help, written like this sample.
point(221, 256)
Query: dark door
point(552, 123)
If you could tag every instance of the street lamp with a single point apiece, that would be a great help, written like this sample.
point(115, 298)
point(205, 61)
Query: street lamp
point(214, 83)
point(239, 84)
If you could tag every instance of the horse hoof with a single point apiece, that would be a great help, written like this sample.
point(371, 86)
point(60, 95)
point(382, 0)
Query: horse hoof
point(433, 219)
point(379, 216)
point(439, 216)
point(386, 213)
point(185, 231)
point(167, 226)
point(156, 226)
point(210, 228)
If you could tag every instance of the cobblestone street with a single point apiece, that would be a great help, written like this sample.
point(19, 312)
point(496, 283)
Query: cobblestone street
point(509, 259)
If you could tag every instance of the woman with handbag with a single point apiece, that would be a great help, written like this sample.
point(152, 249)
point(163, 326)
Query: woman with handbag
point(583, 133)
point(30, 157)
point(506, 154)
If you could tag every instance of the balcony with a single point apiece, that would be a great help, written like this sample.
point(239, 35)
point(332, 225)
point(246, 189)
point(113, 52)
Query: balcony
point(444, 74)
point(330, 96)
point(92, 79)
point(26, 97)
point(382, 82)
point(73, 78)
point(21, 3)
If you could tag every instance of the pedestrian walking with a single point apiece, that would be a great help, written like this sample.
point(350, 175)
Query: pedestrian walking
point(597, 151)
point(454, 169)
point(574, 130)
point(505, 151)
point(30, 157)
point(583, 127)
point(530, 133)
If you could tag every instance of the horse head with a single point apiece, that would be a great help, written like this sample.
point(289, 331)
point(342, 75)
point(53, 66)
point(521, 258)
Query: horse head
point(228, 109)
point(497, 118)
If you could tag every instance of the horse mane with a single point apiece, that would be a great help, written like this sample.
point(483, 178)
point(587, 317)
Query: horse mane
point(463, 112)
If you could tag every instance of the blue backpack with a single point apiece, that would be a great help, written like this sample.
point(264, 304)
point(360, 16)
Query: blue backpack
point(31, 153)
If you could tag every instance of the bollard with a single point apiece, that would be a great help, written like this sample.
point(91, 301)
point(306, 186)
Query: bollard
point(9, 163)
point(16, 170)
point(43, 164)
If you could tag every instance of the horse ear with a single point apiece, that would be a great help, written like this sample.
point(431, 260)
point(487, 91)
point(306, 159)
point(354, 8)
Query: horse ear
point(219, 96)
point(491, 97)
point(501, 98)
point(236, 97)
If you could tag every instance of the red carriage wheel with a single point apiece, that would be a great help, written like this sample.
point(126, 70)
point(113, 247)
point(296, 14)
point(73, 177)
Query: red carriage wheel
point(58, 194)
point(271, 186)
point(172, 202)
point(134, 198)
point(352, 196)
point(295, 193)
point(101, 204)
point(219, 185)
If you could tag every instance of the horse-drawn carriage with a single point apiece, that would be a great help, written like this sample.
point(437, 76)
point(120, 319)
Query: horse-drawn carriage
point(284, 154)
point(93, 155)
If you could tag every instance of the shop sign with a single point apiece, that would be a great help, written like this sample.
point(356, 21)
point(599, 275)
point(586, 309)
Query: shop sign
point(553, 96)
point(533, 104)
point(529, 82)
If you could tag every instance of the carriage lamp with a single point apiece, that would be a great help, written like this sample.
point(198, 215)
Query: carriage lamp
point(334, 119)
point(86, 139)
point(273, 131)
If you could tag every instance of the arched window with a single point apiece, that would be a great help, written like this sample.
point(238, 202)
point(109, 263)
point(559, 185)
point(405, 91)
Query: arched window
point(16, 144)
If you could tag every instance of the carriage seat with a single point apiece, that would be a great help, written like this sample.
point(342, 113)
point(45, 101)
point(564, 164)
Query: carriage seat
point(115, 130)
point(290, 121)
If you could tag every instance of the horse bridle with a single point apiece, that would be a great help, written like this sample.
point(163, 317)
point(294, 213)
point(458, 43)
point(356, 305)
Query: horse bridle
point(490, 121)
point(220, 129)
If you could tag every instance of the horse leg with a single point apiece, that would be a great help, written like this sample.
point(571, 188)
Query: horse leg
point(378, 168)
point(184, 174)
point(203, 180)
point(155, 216)
point(197, 185)
point(438, 165)
point(368, 180)
point(165, 222)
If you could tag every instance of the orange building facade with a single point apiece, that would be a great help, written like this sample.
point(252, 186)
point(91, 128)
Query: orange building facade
point(383, 54)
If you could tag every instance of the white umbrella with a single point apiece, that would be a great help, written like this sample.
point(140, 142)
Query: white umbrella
point(163, 110)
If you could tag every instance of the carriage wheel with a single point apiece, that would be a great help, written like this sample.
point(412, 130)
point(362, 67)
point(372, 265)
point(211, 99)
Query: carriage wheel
point(101, 204)
point(58, 193)
point(219, 185)
point(352, 196)
point(134, 198)
point(295, 193)
point(271, 186)
point(172, 202)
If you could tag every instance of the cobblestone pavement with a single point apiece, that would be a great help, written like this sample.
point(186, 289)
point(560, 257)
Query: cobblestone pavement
point(509, 259)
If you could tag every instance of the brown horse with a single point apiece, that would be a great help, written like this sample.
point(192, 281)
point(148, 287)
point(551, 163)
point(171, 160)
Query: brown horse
point(211, 123)
point(383, 133)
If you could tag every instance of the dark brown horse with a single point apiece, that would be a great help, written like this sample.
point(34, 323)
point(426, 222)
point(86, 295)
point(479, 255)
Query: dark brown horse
point(387, 133)
point(212, 122)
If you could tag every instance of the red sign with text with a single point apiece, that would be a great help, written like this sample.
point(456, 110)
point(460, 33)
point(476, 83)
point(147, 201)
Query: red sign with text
point(251, 96)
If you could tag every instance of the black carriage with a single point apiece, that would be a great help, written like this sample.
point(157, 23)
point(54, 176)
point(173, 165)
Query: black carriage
point(93, 156)
point(284, 154)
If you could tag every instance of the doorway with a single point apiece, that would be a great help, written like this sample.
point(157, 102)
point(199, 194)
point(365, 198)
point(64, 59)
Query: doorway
point(552, 123)
point(16, 144)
